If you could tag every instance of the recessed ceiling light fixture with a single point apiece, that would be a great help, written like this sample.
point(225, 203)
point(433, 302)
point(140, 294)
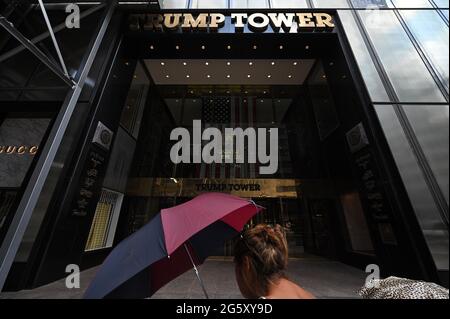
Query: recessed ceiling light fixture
point(228, 76)
point(206, 63)
point(289, 76)
point(203, 47)
point(228, 63)
point(269, 76)
point(273, 63)
point(249, 76)
point(250, 63)
point(184, 63)
point(188, 76)
point(281, 47)
point(295, 63)
point(208, 76)
point(152, 47)
point(167, 76)
point(307, 47)
point(162, 63)
point(229, 47)
point(255, 47)
point(177, 47)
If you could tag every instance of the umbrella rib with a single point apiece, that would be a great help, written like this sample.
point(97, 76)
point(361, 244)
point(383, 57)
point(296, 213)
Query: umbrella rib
point(196, 271)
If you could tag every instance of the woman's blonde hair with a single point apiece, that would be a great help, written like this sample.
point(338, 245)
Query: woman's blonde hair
point(261, 256)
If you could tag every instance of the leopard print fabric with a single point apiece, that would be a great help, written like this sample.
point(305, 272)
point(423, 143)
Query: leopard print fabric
point(401, 288)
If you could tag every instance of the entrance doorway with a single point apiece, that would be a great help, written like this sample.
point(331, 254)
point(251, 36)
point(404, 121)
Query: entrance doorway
point(293, 96)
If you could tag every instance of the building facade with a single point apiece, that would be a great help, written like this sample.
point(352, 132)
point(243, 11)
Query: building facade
point(358, 91)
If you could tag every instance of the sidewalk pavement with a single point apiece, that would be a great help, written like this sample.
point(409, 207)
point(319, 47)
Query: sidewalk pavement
point(323, 278)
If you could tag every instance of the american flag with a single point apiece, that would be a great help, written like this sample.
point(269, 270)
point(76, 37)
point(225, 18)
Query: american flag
point(228, 112)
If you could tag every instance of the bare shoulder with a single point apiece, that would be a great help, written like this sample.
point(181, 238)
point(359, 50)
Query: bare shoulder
point(286, 289)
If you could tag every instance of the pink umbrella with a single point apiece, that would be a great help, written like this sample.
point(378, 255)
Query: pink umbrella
point(177, 239)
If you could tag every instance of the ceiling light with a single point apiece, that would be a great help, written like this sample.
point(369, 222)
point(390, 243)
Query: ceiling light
point(245, 101)
point(206, 63)
point(135, 76)
point(255, 47)
point(229, 47)
point(269, 76)
point(295, 63)
point(184, 63)
point(289, 76)
point(307, 47)
point(192, 92)
point(228, 76)
point(210, 92)
point(167, 76)
point(249, 76)
point(203, 47)
point(177, 47)
point(281, 47)
point(324, 76)
point(273, 63)
point(162, 63)
point(228, 63)
point(262, 101)
point(246, 92)
point(188, 76)
point(264, 92)
point(127, 63)
point(152, 47)
point(250, 63)
point(228, 92)
point(208, 76)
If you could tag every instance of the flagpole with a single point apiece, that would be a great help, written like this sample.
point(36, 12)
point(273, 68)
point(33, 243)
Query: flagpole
point(196, 272)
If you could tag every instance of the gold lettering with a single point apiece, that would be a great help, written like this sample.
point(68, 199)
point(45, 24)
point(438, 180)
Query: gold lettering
point(153, 22)
point(258, 22)
point(2, 149)
point(239, 19)
point(33, 150)
point(198, 23)
point(11, 149)
point(217, 20)
point(21, 150)
point(324, 20)
point(305, 20)
point(172, 21)
point(281, 20)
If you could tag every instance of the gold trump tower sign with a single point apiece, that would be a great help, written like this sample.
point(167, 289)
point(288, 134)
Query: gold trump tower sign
point(212, 22)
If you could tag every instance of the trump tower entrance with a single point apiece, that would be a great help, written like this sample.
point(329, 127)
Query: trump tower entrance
point(283, 89)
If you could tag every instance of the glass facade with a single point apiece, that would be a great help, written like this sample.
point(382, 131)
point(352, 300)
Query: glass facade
point(402, 53)
point(401, 50)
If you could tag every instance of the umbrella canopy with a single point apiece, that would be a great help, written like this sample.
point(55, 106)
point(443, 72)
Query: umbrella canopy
point(173, 242)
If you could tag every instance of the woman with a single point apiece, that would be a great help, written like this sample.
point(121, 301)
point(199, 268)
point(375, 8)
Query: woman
point(261, 257)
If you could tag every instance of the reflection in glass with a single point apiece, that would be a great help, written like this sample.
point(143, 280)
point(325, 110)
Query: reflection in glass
point(412, 3)
point(256, 4)
point(330, 4)
point(209, 4)
point(441, 3)
point(369, 4)
point(174, 4)
point(430, 220)
point(432, 34)
point(430, 123)
point(371, 77)
point(410, 78)
point(289, 4)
